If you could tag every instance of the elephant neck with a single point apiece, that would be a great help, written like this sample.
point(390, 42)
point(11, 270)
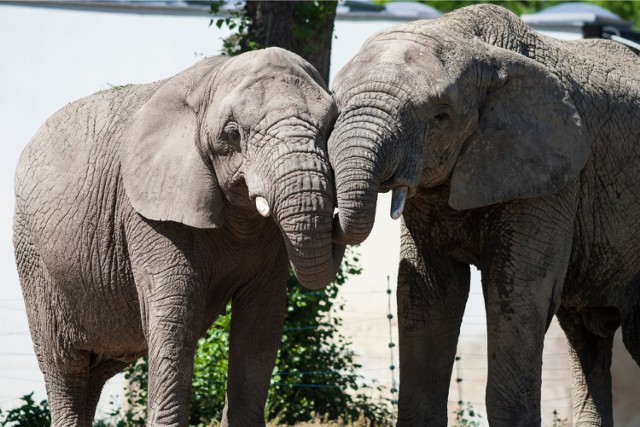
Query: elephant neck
point(498, 27)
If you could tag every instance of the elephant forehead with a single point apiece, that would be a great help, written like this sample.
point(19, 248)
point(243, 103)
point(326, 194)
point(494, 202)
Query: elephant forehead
point(264, 101)
point(401, 70)
point(267, 65)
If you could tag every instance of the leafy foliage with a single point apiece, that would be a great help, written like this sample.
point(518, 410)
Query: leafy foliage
point(315, 373)
point(309, 16)
point(134, 413)
point(243, 40)
point(302, 27)
point(466, 416)
point(629, 10)
point(315, 376)
point(210, 372)
point(29, 414)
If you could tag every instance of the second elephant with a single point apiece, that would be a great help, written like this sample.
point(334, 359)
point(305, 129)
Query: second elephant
point(519, 154)
point(136, 222)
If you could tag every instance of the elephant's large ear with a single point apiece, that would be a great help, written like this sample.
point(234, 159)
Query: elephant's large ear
point(529, 141)
point(165, 176)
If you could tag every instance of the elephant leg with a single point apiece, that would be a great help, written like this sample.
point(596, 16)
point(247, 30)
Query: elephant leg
point(590, 336)
point(174, 313)
point(169, 266)
point(432, 293)
point(65, 370)
point(98, 375)
point(257, 318)
point(523, 272)
point(631, 332)
point(67, 390)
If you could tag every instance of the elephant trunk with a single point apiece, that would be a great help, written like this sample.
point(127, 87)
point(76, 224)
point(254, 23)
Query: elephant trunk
point(360, 166)
point(304, 210)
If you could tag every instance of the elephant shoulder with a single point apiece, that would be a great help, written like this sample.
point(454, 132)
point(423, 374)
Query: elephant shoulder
point(606, 49)
point(75, 152)
point(79, 132)
point(607, 65)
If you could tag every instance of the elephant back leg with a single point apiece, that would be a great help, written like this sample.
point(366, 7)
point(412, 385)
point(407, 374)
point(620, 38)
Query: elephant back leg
point(65, 372)
point(631, 332)
point(67, 389)
point(590, 335)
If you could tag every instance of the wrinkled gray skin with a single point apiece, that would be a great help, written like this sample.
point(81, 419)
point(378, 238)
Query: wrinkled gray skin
point(135, 224)
point(520, 155)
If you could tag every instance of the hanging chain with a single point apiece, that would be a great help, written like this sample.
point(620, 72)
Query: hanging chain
point(392, 366)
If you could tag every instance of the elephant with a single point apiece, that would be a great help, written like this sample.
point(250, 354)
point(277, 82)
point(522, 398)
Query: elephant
point(514, 152)
point(142, 210)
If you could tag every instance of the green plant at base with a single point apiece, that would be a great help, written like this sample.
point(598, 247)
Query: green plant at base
point(134, 412)
point(29, 414)
point(315, 374)
point(466, 416)
point(210, 372)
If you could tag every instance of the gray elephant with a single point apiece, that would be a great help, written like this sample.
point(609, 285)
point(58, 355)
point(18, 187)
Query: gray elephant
point(136, 223)
point(516, 153)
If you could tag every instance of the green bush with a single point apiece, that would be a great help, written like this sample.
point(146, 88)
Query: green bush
point(315, 375)
point(466, 416)
point(29, 414)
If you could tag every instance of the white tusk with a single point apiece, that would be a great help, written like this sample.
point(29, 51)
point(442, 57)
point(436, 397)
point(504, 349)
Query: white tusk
point(398, 198)
point(263, 206)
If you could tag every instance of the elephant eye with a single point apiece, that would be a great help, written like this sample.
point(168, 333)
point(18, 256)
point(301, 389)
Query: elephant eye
point(442, 117)
point(232, 134)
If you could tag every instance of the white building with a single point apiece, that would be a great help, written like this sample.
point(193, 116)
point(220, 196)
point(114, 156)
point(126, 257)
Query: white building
point(56, 51)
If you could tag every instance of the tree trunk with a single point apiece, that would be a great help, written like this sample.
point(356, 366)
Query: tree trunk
point(303, 27)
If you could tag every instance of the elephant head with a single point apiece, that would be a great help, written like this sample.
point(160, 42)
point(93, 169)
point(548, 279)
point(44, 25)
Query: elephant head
point(234, 133)
point(426, 103)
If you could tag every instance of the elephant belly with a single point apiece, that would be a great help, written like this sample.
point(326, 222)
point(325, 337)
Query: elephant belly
point(605, 262)
point(82, 289)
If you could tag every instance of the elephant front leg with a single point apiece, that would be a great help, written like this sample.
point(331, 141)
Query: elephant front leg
point(523, 271)
point(590, 335)
point(257, 318)
point(173, 313)
point(432, 294)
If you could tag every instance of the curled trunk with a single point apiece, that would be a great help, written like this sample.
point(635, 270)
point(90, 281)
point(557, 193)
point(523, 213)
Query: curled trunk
point(304, 210)
point(355, 151)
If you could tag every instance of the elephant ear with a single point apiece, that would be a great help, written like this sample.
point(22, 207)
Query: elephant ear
point(165, 176)
point(529, 140)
